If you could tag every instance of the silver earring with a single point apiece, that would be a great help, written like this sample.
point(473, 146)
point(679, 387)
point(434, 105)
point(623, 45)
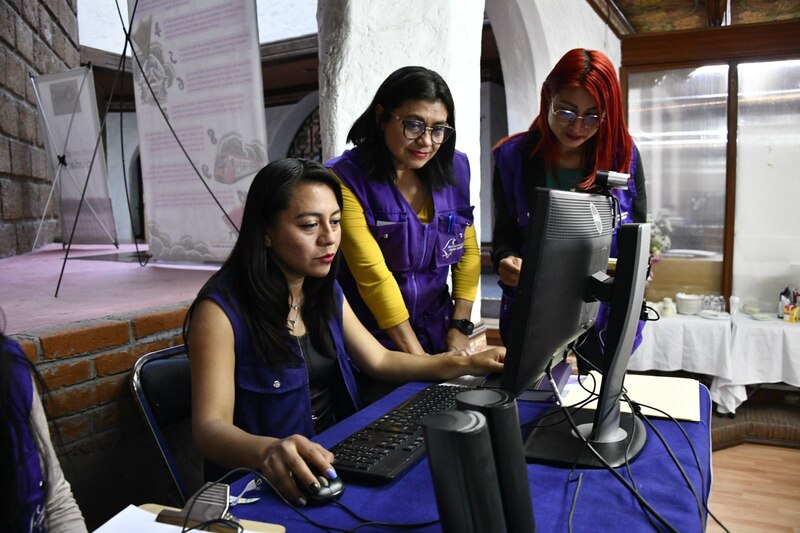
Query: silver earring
point(267, 241)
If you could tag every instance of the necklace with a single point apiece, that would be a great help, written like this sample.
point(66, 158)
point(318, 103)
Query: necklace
point(293, 321)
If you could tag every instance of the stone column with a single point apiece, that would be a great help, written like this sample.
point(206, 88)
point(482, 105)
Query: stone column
point(362, 42)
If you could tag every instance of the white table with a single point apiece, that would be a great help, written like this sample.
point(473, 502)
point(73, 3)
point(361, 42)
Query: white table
point(761, 352)
point(685, 342)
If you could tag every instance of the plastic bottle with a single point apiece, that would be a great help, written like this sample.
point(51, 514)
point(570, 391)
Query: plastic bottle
point(784, 299)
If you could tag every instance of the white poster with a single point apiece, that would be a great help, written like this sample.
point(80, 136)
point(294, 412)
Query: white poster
point(71, 128)
point(203, 68)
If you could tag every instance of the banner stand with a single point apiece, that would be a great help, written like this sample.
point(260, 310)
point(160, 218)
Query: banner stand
point(61, 163)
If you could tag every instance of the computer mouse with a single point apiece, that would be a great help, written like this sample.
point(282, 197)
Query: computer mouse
point(329, 489)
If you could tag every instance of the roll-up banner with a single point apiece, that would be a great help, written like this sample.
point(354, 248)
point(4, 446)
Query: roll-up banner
point(202, 66)
point(71, 128)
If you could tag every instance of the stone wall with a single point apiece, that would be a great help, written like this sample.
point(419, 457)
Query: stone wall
point(36, 37)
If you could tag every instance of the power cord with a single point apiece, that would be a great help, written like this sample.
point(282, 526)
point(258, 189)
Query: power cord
point(636, 409)
point(694, 454)
point(602, 461)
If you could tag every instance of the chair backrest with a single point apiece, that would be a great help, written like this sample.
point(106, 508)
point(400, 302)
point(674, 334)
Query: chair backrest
point(162, 387)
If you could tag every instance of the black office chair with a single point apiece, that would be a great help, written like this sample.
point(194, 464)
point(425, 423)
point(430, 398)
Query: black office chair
point(161, 384)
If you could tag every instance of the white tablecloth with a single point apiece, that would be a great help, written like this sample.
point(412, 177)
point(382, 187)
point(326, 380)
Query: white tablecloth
point(761, 352)
point(685, 342)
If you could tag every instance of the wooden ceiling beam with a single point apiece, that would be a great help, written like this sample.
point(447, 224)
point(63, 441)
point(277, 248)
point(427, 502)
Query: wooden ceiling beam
point(742, 42)
point(613, 16)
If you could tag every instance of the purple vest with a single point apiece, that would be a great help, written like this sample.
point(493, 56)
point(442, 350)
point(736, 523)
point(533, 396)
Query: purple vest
point(30, 472)
point(418, 255)
point(509, 160)
point(277, 402)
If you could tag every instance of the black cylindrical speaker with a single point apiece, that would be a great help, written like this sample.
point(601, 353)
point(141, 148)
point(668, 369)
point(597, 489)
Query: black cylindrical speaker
point(463, 471)
point(500, 409)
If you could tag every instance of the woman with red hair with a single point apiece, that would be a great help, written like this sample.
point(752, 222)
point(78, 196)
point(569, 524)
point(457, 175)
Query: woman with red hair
point(580, 130)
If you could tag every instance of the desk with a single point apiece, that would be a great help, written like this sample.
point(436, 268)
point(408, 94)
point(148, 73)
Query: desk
point(603, 504)
point(761, 352)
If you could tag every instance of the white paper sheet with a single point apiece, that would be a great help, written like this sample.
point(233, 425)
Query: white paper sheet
point(680, 397)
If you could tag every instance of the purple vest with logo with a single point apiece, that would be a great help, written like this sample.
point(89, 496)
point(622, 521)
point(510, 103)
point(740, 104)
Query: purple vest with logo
point(418, 255)
point(277, 402)
point(509, 159)
point(32, 490)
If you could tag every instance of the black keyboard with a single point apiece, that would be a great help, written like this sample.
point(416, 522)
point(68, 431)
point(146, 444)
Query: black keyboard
point(388, 446)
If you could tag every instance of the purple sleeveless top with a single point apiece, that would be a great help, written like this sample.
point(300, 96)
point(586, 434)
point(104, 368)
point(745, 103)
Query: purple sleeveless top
point(277, 402)
point(418, 255)
point(30, 470)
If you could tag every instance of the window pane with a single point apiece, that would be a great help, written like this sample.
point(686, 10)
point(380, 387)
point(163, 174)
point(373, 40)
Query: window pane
point(767, 239)
point(679, 121)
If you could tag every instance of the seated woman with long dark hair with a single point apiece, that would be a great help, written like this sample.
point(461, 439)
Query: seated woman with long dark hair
point(273, 344)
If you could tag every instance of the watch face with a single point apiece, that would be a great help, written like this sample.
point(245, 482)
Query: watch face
point(463, 325)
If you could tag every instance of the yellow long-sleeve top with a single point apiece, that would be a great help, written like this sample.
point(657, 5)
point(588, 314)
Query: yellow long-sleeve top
point(375, 281)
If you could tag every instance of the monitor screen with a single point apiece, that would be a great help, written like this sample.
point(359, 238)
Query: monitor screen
point(567, 241)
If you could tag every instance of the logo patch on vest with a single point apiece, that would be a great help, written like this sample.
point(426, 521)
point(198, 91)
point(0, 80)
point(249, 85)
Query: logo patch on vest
point(451, 246)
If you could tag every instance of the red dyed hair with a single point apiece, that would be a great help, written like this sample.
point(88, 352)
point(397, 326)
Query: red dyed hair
point(609, 148)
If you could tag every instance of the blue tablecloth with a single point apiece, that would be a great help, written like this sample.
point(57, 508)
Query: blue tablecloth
point(603, 503)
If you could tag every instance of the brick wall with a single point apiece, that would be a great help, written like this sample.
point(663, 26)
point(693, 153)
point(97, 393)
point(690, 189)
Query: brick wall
point(36, 37)
point(105, 449)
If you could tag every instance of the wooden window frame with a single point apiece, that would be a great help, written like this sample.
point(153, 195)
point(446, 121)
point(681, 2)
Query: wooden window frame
point(729, 45)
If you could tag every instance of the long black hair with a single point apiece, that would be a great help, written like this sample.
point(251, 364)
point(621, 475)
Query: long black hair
point(407, 83)
point(251, 278)
point(14, 424)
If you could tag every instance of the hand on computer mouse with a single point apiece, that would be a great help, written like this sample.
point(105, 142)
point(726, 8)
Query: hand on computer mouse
point(323, 491)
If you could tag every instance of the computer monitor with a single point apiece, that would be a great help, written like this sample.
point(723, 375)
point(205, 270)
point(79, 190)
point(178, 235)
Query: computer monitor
point(567, 241)
point(565, 259)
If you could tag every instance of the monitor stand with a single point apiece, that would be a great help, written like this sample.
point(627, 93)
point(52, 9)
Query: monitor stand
point(541, 391)
point(553, 445)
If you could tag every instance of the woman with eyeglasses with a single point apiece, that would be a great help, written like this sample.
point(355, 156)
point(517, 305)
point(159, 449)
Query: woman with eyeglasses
point(407, 220)
point(580, 130)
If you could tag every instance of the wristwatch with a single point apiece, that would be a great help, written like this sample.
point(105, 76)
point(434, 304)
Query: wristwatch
point(463, 325)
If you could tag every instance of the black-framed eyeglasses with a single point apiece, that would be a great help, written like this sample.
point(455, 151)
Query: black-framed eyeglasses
point(414, 129)
point(565, 117)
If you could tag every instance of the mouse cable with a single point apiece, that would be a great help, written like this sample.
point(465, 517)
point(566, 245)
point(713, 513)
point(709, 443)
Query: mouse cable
point(607, 466)
point(694, 453)
point(364, 521)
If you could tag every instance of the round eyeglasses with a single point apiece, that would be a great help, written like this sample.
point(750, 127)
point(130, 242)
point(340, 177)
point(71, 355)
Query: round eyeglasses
point(414, 129)
point(565, 117)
